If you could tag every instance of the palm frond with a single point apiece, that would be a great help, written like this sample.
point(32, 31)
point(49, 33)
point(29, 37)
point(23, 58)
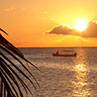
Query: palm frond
point(10, 80)
point(13, 49)
point(3, 31)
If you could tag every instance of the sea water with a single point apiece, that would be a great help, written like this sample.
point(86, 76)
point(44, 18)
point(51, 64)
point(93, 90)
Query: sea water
point(64, 76)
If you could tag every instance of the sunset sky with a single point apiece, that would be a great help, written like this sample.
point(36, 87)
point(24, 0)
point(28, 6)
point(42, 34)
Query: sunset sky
point(30, 23)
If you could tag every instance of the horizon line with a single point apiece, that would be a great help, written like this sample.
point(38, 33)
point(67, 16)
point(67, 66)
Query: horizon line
point(62, 47)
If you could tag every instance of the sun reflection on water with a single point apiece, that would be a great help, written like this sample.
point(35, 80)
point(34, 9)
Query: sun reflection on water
point(80, 68)
point(80, 83)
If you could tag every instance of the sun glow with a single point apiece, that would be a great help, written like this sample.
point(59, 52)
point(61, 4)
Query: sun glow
point(66, 26)
point(80, 24)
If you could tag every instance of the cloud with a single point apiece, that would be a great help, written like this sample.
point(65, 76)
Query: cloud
point(90, 32)
point(45, 12)
point(61, 30)
point(9, 9)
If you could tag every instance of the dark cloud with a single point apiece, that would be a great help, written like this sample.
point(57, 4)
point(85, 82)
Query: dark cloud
point(61, 30)
point(90, 32)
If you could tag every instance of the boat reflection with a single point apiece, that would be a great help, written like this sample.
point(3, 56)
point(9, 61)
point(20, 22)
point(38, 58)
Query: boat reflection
point(80, 83)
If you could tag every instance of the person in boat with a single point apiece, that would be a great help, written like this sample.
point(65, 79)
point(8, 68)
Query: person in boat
point(57, 53)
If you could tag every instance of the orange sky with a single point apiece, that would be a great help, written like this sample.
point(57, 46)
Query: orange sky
point(26, 21)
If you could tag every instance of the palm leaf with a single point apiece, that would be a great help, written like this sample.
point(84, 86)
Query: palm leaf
point(10, 81)
point(3, 31)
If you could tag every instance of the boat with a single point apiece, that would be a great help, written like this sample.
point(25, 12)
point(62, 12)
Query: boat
point(64, 55)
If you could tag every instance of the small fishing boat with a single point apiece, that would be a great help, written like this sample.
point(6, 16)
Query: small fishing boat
point(64, 55)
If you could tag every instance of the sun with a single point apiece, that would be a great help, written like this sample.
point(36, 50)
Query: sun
point(80, 24)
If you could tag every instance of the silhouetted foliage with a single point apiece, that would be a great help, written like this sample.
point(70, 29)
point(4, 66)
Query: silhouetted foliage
point(10, 80)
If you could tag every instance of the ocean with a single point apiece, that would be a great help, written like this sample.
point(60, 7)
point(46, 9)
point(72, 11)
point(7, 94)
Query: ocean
point(63, 76)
